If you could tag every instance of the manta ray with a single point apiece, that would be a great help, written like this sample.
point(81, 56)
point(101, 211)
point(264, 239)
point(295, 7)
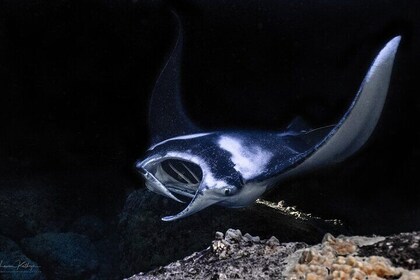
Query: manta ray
point(234, 168)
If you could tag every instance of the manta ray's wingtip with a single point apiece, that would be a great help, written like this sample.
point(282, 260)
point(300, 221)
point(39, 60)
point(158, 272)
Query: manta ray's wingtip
point(393, 43)
point(396, 38)
point(384, 61)
point(391, 47)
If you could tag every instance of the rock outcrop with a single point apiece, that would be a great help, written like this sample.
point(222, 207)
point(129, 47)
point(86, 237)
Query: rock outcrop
point(28, 210)
point(237, 256)
point(63, 255)
point(147, 242)
point(15, 265)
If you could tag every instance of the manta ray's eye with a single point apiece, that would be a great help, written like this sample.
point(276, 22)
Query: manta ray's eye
point(229, 190)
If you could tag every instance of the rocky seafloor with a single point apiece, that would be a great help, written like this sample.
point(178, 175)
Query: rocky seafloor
point(147, 242)
point(39, 239)
point(42, 238)
point(236, 256)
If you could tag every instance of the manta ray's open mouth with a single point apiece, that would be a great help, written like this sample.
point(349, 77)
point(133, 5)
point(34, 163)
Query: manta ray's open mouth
point(180, 176)
point(171, 177)
point(175, 176)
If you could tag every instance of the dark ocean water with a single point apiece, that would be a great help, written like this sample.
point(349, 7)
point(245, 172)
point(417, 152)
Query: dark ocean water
point(75, 82)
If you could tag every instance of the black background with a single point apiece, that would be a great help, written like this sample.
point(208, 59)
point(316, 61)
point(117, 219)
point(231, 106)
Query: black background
point(76, 77)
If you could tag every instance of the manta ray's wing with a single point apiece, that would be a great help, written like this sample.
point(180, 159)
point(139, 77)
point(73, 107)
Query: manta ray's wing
point(332, 145)
point(167, 117)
